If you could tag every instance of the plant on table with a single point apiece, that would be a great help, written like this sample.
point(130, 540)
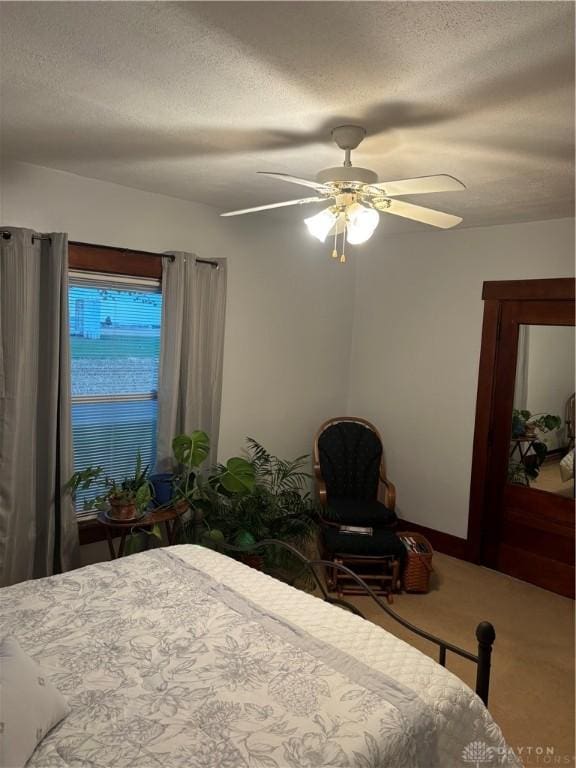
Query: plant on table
point(527, 425)
point(128, 498)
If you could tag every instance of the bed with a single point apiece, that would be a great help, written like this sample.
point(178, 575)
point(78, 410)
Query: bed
point(181, 656)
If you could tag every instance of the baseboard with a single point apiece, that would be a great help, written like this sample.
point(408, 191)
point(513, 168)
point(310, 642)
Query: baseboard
point(556, 454)
point(442, 542)
point(90, 531)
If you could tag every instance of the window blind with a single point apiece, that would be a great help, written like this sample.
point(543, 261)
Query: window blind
point(115, 353)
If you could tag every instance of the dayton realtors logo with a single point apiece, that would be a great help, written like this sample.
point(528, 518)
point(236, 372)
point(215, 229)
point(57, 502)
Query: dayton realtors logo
point(479, 755)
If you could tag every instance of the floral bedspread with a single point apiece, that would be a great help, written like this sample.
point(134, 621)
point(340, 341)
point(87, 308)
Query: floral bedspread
point(164, 665)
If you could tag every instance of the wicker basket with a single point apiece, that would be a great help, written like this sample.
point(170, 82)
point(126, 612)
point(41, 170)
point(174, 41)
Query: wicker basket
point(418, 566)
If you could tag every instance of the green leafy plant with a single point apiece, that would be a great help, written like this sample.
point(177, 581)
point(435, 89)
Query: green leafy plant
point(192, 494)
point(273, 503)
point(190, 451)
point(525, 423)
point(237, 476)
point(139, 538)
point(134, 489)
point(517, 473)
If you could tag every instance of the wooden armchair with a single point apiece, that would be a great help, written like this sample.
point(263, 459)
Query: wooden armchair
point(353, 490)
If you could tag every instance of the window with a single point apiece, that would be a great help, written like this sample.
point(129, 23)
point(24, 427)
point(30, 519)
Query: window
point(115, 353)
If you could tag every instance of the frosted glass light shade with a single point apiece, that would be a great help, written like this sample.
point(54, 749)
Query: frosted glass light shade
point(320, 225)
point(361, 223)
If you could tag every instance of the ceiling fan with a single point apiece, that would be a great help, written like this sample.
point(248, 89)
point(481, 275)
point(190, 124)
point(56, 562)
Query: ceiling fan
point(357, 197)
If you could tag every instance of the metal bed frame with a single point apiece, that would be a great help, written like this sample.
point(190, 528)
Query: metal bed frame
point(485, 633)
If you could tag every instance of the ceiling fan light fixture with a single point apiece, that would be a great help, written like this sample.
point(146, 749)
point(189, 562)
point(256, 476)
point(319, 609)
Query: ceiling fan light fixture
point(340, 224)
point(320, 225)
point(356, 197)
point(361, 223)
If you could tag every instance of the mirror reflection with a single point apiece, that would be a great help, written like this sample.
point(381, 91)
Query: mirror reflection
point(542, 442)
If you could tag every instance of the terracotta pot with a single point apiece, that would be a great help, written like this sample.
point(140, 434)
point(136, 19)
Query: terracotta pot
point(119, 510)
point(181, 506)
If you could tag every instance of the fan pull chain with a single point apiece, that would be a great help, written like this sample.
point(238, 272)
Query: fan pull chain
point(335, 251)
point(343, 255)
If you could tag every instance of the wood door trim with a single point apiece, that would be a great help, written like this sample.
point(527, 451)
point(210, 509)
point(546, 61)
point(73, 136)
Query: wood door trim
point(499, 298)
point(538, 312)
point(555, 289)
point(560, 509)
point(482, 431)
point(500, 429)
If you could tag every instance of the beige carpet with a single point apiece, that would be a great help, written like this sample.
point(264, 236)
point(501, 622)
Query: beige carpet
point(550, 480)
point(532, 685)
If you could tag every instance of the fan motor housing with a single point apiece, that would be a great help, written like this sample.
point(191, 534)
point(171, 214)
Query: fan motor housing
point(350, 174)
point(348, 136)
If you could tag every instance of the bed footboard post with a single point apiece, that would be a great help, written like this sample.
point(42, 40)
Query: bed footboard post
point(485, 635)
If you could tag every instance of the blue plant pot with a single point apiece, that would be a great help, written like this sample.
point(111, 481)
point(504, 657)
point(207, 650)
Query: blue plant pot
point(162, 484)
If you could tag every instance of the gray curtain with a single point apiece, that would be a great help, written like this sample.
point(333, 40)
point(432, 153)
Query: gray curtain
point(38, 528)
point(190, 381)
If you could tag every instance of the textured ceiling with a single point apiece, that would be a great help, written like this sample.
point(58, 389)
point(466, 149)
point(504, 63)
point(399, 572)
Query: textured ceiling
point(191, 99)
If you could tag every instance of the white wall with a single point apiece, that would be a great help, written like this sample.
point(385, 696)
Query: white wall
point(289, 311)
point(293, 356)
point(416, 347)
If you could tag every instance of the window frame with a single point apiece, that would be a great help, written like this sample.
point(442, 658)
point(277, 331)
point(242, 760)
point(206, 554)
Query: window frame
point(86, 257)
point(115, 261)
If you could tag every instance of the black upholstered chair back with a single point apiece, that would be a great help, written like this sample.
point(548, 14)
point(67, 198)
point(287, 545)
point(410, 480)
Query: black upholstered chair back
point(350, 455)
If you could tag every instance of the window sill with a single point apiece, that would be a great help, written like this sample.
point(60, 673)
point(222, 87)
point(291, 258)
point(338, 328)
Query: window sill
point(90, 531)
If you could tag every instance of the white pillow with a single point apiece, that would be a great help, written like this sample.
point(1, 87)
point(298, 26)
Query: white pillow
point(29, 704)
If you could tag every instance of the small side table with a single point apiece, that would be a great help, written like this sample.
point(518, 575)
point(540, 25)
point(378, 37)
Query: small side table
point(170, 518)
point(523, 445)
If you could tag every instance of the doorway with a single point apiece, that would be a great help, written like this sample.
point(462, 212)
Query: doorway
point(522, 489)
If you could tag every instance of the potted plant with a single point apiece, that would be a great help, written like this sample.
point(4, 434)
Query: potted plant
point(189, 451)
point(127, 499)
point(527, 425)
point(192, 495)
point(274, 504)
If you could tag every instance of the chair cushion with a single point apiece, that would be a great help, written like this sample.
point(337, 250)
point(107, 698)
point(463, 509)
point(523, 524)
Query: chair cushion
point(382, 542)
point(350, 455)
point(30, 704)
point(351, 512)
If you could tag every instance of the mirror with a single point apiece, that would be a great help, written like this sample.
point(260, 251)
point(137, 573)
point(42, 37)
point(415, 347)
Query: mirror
point(542, 443)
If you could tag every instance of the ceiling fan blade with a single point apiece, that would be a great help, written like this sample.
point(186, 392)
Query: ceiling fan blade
point(301, 201)
point(421, 185)
point(419, 213)
point(295, 180)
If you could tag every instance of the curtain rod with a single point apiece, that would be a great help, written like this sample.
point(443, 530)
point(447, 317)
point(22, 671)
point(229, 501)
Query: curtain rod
point(6, 235)
point(142, 253)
